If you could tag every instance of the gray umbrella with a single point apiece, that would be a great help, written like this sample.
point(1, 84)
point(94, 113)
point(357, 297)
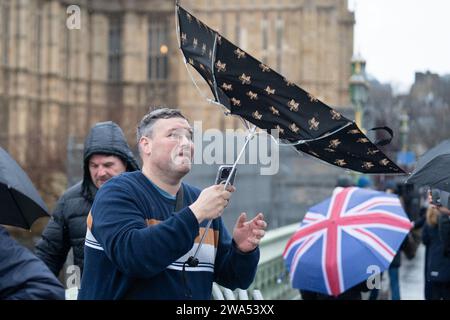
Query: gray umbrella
point(433, 168)
point(20, 203)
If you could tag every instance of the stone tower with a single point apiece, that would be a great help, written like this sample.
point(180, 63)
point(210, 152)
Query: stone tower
point(60, 75)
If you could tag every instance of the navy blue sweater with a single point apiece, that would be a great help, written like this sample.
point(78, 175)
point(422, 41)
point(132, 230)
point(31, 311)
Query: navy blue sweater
point(136, 246)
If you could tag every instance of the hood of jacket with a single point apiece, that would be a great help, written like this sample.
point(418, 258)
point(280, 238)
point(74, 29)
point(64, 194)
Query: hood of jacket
point(105, 138)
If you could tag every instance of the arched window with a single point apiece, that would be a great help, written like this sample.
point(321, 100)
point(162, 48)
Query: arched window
point(158, 47)
point(115, 48)
point(5, 31)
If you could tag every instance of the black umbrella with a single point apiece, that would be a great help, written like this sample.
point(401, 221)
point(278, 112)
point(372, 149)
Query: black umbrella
point(20, 203)
point(433, 168)
point(250, 89)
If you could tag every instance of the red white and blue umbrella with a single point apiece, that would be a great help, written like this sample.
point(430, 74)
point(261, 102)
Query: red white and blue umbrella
point(344, 238)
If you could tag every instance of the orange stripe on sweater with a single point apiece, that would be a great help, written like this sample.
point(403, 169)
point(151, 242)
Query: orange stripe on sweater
point(89, 220)
point(211, 238)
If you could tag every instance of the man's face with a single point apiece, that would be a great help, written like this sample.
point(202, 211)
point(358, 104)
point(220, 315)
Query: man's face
point(102, 168)
point(170, 147)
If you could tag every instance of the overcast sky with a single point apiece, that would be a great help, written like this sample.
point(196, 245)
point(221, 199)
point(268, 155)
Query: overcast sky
point(399, 37)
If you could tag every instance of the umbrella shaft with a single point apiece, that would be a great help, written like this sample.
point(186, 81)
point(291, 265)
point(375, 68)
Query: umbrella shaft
point(247, 140)
point(203, 238)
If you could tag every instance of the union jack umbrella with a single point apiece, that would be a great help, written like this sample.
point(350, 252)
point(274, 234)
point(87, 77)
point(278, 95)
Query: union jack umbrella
point(342, 240)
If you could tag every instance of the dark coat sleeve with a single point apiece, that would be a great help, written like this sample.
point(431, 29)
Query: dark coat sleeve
point(419, 223)
point(444, 233)
point(23, 276)
point(54, 245)
point(426, 235)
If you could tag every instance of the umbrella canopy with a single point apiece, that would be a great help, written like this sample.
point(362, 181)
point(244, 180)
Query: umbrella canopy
point(343, 237)
point(20, 202)
point(250, 89)
point(432, 168)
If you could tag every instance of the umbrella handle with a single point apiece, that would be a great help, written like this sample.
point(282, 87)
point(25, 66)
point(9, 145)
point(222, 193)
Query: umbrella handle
point(383, 142)
point(193, 260)
point(249, 137)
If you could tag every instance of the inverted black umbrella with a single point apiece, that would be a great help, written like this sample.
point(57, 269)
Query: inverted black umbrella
point(20, 203)
point(246, 87)
point(433, 168)
point(250, 89)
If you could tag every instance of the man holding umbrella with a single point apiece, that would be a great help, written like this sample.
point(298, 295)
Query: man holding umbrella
point(106, 154)
point(145, 225)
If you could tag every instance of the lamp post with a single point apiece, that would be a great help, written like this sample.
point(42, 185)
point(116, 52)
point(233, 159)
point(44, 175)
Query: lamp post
point(404, 130)
point(405, 157)
point(359, 89)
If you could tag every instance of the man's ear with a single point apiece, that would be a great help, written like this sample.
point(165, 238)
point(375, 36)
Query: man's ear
point(145, 145)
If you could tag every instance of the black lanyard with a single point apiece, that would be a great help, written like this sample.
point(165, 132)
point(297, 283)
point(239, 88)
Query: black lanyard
point(178, 207)
point(179, 199)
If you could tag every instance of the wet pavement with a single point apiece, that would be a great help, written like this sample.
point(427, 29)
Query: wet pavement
point(412, 276)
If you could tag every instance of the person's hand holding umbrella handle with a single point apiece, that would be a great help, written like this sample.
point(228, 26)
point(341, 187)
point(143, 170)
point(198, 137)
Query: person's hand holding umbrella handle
point(432, 200)
point(211, 202)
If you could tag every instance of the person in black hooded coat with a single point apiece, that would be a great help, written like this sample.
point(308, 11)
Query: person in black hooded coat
point(67, 226)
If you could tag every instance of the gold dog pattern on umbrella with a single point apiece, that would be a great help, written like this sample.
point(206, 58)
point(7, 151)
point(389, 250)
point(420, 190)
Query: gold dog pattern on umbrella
point(252, 90)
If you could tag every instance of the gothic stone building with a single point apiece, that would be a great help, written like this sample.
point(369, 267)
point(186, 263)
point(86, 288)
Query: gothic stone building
point(121, 56)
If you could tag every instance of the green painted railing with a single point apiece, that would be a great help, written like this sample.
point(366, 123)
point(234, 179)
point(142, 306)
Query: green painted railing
point(272, 278)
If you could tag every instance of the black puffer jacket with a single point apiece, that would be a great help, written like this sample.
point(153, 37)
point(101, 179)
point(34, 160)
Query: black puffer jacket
point(67, 226)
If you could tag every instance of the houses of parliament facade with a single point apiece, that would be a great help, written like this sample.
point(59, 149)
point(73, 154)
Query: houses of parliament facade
point(60, 75)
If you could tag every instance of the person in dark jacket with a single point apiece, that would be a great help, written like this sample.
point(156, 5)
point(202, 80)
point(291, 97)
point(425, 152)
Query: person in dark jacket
point(22, 275)
point(437, 264)
point(106, 154)
point(444, 229)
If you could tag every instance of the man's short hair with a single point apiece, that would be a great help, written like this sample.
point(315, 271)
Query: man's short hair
point(145, 127)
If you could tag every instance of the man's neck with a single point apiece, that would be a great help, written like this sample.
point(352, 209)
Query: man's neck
point(166, 184)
